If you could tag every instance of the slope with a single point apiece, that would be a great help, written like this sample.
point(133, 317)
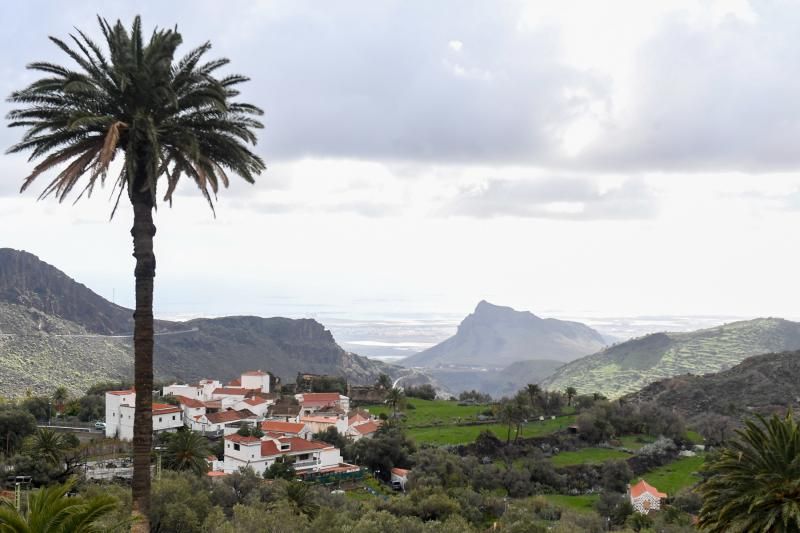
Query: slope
point(629, 366)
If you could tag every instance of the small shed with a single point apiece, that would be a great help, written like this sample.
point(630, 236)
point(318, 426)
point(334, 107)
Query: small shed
point(400, 478)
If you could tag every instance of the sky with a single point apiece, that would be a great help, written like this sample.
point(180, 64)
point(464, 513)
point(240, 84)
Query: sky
point(568, 158)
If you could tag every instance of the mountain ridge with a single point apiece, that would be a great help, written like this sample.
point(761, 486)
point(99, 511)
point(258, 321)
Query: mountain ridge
point(628, 366)
point(55, 327)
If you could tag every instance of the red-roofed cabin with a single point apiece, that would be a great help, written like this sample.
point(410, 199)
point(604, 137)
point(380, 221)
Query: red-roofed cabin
point(311, 402)
point(289, 429)
point(399, 478)
point(645, 497)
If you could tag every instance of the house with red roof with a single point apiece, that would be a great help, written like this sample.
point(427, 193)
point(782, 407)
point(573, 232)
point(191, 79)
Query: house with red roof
point(308, 456)
point(255, 404)
point(311, 402)
point(399, 477)
point(645, 497)
point(362, 429)
point(222, 422)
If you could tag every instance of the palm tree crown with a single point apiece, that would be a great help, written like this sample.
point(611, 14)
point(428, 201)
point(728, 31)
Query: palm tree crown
point(755, 482)
point(168, 119)
point(51, 511)
point(187, 450)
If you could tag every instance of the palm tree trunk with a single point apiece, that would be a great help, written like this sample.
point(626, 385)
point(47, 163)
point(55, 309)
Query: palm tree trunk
point(143, 232)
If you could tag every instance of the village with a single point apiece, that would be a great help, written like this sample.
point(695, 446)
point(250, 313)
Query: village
point(258, 425)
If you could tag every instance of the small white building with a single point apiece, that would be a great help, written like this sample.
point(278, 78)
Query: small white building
point(255, 379)
point(114, 400)
point(256, 405)
point(645, 497)
point(362, 430)
point(222, 422)
point(260, 454)
point(320, 424)
point(192, 409)
point(400, 477)
point(187, 391)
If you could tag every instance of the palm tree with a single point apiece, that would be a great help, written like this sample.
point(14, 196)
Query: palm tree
point(755, 482)
point(395, 398)
point(507, 414)
point(187, 450)
point(46, 445)
point(298, 496)
point(533, 393)
point(167, 119)
point(570, 392)
point(51, 511)
point(60, 397)
point(384, 382)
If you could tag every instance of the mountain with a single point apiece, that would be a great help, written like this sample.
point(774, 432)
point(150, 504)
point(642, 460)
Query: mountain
point(759, 384)
point(55, 331)
point(495, 336)
point(631, 365)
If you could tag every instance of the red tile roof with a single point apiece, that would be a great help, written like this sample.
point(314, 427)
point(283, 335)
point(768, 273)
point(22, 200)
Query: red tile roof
point(255, 401)
point(235, 382)
point(231, 391)
point(320, 398)
point(216, 474)
point(402, 472)
point(366, 428)
point(190, 402)
point(282, 427)
point(242, 440)
point(320, 419)
point(228, 416)
point(269, 448)
point(642, 487)
point(165, 409)
point(120, 392)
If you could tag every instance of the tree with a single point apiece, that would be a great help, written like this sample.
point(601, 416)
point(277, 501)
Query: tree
point(753, 484)
point(50, 510)
point(187, 450)
point(298, 495)
point(533, 391)
point(15, 425)
point(507, 414)
point(616, 475)
point(168, 119)
point(281, 469)
point(384, 382)
point(46, 445)
point(395, 398)
point(571, 392)
point(60, 397)
point(638, 522)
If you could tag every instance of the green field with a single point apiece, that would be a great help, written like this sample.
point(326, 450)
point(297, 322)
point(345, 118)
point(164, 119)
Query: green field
point(433, 412)
point(444, 422)
point(583, 503)
point(466, 434)
point(634, 442)
point(588, 456)
point(676, 475)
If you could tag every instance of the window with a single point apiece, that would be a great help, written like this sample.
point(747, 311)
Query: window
point(236, 447)
point(173, 417)
point(159, 419)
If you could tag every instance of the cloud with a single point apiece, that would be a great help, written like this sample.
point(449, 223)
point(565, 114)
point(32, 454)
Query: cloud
point(554, 198)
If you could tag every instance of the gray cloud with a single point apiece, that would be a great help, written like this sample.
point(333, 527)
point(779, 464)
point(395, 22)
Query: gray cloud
point(554, 198)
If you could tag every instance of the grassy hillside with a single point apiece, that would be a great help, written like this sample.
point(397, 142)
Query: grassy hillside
point(759, 384)
point(631, 365)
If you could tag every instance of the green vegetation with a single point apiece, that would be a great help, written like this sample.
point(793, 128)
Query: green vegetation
point(583, 503)
point(466, 434)
point(634, 442)
point(676, 475)
point(432, 412)
point(588, 456)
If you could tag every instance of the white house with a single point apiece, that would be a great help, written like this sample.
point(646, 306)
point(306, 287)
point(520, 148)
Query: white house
point(229, 396)
point(120, 407)
point(221, 422)
point(260, 454)
point(258, 406)
point(192, 409)
point(187, 391)
point(255, 379)
point(311, 402)
point(645, 497)
point(320, 424)
point(362, 430)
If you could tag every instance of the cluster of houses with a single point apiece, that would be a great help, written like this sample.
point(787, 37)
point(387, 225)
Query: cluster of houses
point(220, 410)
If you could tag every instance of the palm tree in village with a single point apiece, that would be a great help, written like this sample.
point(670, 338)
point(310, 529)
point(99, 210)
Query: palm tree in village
point(395, 398)
point(571, 392)
point(166, 119)
point(60, 397)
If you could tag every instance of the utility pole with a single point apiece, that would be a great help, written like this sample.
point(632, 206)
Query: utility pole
point(18, 496)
